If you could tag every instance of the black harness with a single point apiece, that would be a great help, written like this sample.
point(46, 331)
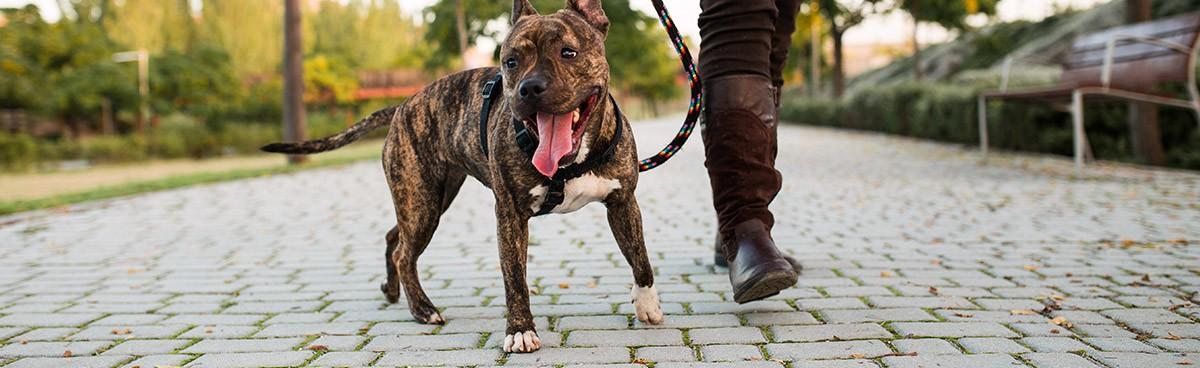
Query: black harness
point(528, 143)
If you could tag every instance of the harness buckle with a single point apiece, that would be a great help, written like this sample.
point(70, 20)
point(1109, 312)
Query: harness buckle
point(488, 88)
point(526, 141)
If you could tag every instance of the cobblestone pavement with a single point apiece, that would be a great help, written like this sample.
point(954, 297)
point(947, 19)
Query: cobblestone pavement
point(915, 256)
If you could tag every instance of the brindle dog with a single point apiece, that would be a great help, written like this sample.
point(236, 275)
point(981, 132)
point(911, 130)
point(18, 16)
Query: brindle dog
point(556, 83)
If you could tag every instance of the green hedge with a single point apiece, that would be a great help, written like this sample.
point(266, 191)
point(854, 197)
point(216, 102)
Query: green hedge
point(176, 137)
point(947, 112)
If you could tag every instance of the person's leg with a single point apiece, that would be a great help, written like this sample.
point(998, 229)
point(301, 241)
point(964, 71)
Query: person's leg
point(740, 139)
point(781, 41)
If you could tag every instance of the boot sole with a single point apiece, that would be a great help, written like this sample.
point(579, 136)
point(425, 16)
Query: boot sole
point(766, 286)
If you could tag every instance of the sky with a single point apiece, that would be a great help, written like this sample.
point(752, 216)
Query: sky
point(894, 28)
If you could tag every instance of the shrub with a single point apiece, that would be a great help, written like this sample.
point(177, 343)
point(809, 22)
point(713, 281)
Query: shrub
point(947, 112)
point(114, 149)
point(17, 151)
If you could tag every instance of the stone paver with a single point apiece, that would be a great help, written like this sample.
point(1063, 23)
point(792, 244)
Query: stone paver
point(908, 247)
point(666, 354)
point(427, 358)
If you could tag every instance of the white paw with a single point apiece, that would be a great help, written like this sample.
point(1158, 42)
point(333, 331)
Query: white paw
point(522, 342)
point(645, 302)
point(436, 319)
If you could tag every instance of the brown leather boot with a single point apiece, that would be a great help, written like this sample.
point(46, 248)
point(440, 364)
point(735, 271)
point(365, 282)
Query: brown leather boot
point(740, 148)
point(719, 257)
point(718, 250)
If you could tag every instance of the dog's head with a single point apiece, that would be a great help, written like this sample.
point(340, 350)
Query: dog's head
point(556, 75)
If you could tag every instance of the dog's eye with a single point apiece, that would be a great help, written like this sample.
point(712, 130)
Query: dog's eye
point(568, 53)
point(510, 63)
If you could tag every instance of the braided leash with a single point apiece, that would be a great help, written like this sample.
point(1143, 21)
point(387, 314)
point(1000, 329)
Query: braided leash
point(689, 123)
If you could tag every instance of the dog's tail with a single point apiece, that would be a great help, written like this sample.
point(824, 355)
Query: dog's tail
point(364, 126)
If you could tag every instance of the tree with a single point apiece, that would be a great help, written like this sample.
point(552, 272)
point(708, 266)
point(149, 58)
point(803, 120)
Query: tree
point(153, 25)
point(951, 14)
point(199, 82)
point(477, 14)
point(841, 16)
point(293, 78)
point(250, 31)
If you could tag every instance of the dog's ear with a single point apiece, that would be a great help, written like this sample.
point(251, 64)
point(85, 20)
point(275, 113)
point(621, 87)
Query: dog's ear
point(592, 12)
point(522, 8)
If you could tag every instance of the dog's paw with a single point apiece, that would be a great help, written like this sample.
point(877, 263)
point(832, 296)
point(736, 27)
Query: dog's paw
point(392, 294)
point(433, 319)
point(427, 315)
point(522, 342)
point(646, 304)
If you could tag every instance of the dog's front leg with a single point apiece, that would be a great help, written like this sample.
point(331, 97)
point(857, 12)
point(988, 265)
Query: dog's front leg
point(513, 234)
point(625, 219)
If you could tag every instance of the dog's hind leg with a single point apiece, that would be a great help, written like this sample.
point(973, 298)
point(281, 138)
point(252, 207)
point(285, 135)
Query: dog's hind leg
point(625, 219)
point(391, 286)
point(420, 198)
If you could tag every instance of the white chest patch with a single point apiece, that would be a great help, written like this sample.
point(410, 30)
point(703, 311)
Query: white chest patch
point(577, 193)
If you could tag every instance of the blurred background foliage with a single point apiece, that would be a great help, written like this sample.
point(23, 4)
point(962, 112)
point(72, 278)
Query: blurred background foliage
point(214, 71)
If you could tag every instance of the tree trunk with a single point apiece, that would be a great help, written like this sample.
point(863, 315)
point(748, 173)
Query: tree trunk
point(839, 73)
point(106, 118)
point(293, 78)
point(460, 24)
point(1143, 117)
point(916, 57)
point(814, 62)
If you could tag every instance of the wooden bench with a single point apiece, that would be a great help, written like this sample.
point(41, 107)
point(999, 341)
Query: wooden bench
point(1121, 63)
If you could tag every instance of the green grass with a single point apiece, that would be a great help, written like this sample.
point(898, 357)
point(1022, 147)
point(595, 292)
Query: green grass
point(121, 190)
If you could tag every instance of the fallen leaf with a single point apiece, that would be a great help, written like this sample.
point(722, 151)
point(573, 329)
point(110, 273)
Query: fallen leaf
point(1055, 331)
point(1061, 321)
point(641, 361)
point(68, 354)
point(591, 284)
point(885, 274)
point(933, 290)
point(936, 262)
point(318, 348)
point(1184, 362)
point(1022, 312)
point(1146, 278)
point(963, 315)
point(563, 285)
point(858, 356)
point(1030, 267)
point(1171, 336)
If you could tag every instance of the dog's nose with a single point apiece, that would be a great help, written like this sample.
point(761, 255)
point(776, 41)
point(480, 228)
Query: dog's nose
point(532, 88)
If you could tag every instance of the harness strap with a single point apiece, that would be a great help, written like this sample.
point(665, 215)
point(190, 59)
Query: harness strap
point(489, 97)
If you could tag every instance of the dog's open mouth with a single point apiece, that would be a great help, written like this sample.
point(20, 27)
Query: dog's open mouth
point(559, 136)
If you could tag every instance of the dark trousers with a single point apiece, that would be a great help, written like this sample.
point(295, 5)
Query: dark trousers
point(743, 50)
point(746, 37)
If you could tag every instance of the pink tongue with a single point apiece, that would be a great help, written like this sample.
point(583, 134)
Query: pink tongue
point(554, 142)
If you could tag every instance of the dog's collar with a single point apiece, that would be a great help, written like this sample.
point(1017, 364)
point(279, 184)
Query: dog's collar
point(528, 143)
